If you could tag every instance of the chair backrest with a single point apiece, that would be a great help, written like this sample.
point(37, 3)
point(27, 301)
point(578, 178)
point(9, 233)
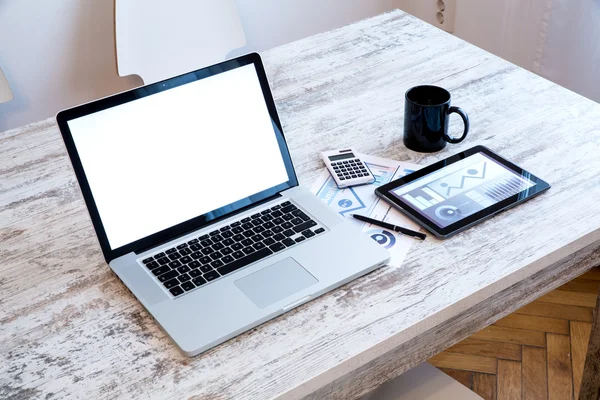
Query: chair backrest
point(157, 39)
point(5, 92)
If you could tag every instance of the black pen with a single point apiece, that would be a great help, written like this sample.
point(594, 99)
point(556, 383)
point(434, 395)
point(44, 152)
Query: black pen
point(391, 227)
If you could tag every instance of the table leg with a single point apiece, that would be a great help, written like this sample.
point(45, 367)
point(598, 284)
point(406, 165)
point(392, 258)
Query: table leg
point(590, 382)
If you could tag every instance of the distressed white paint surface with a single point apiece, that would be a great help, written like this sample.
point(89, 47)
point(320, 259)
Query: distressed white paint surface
point(70, 329)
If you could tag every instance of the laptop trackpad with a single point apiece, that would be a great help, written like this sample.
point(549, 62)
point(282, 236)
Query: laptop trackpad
point(275, 282)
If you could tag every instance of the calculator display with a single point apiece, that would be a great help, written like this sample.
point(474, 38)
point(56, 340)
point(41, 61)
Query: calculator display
point(341, 157)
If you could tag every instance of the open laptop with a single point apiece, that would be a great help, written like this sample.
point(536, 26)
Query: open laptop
point(192, 193)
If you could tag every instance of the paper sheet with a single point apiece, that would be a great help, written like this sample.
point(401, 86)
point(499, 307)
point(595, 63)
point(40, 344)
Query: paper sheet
point(362, 200)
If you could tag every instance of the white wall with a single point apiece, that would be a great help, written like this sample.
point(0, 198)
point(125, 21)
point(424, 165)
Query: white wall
point(59, 53)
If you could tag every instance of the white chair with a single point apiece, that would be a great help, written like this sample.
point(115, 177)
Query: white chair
point(5, 92)
point(157, 39)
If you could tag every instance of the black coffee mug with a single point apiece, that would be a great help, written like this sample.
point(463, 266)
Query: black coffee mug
point(426, 113)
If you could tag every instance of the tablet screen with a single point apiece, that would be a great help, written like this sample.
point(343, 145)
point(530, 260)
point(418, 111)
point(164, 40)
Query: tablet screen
point(461, 189)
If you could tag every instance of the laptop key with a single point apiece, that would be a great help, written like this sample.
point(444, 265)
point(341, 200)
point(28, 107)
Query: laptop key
point(199, 281)
point(257, 222)
point(216, 255)
point(204, 260)
point(267, 211)
point(237, 246)
point(277, 247)
point(228, 242)
point(237, 229)
point(227, 259)
point(289, 233)
point(227, 234)
point(196, 255)
point(257, 238)
point(248, 250)
point(159, 255)
point(285, 203)
point(235, 224)
point(171, 283)
point(308, 233)
point(267, 218)
point(147, 260)
point(206, 242)
point(171, 250)
point(203, 237)
point(289, 208)
point(268, 225)
point(226, 251)
point(184, 278)
point(258, 245)
point(247, 219)
point(238, 254)
point(206, 268)
point(163, 261)
point(176, 291)
point(278, 221)
point(259, 229)
point(183, 269)
point(211, 276)
point(247, 226)
point(187, 286)
point(218, 246)
point(279, 237)
point(152, 264)
point(174, 256)
point(185, 251)
point(213, 233)
point(217, 238)
point(181, 246)
point(185, 260)
point(288, 217)
point(195, 273)
point(216, 264)
point(300, 238)
point(276, 213)
point(168, 276)
point(225, 228)
point(296, 221)
point(193, 241)
point(175, 264)
point(287, 225)
point(277, 229)
point(304, 226)
point(267, 233)
point(207, 250)
point(242, 262)
point(277, 207)
point(248, 233)
point(239, 237)
point(195, 247)
point(254, 216)
point(288, 242)
point(269, 241)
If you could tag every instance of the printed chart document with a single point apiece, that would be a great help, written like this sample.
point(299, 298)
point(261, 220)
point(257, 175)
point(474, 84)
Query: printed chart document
point(362, 200)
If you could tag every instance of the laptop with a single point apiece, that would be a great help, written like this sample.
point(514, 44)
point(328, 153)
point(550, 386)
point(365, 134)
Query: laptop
point(191, 190)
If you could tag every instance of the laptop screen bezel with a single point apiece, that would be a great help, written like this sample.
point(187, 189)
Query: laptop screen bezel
point(200, 221)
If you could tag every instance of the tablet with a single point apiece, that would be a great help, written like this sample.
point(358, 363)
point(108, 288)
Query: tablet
point(460, 191)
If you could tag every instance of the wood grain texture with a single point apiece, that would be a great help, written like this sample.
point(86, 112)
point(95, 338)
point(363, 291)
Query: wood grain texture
point(485, 386)
point(507, 351)
point(510, 335)
point(573, 313)
point(570, 298)
point(534, 323)
point(581, 285)
point(509, 380)
point(535, 374)
point(465, 378)
point(590, 381)
point(486, 365)
point(560, 381)
point(70, 329)
point(579, 336)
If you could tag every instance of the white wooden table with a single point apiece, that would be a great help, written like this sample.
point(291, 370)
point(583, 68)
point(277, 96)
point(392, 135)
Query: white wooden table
point(70, 329)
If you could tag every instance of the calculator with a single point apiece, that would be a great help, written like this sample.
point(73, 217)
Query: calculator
point(346, 168)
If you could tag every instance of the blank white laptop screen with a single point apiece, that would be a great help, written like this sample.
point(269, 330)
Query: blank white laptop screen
point(163, 159)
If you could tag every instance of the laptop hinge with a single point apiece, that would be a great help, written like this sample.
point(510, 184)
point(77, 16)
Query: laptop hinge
point(212, 222)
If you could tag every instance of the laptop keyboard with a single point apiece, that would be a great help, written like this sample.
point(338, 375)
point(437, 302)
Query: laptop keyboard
point(203, 259)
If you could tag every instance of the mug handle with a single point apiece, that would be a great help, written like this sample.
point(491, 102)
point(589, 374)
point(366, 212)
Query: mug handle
point(465, 119)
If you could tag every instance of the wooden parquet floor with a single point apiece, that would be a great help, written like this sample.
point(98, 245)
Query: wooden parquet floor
point(538, 352)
